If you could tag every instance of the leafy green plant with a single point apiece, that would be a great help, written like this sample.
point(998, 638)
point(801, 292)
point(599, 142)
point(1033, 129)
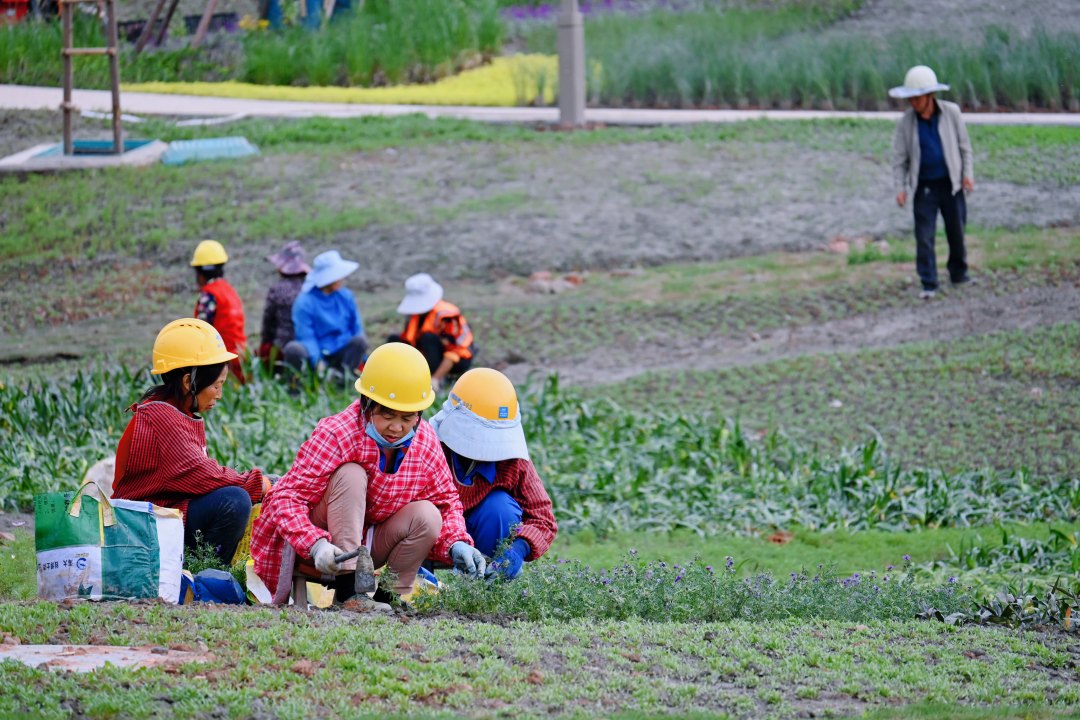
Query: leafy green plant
point(204, 557)
point(691, 592)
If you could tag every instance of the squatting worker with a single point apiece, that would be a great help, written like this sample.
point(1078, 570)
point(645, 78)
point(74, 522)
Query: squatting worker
point(932, 158)
point(436, 328)
point(162, 453)
point(218, 303)
point(372, 475)
point(504, 499)
point(326, 321)
point(277, 322)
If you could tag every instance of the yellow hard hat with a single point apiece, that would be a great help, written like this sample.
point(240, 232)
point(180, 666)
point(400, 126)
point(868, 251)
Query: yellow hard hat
point(209, 252)
point(188, 342)
point(481, 419)
point(397, 376)
point(488, 393)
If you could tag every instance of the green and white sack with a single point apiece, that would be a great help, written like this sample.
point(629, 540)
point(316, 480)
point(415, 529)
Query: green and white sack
point(100, 549)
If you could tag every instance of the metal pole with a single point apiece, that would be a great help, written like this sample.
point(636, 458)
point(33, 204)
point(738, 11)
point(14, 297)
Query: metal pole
point(65, 19)
point(571, 43)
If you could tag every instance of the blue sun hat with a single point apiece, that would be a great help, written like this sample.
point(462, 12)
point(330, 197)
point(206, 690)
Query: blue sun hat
point(481, 419)
point(327, 269)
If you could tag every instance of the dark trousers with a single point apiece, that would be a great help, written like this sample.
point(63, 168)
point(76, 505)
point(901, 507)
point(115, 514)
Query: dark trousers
point(430, 346)
point(931, 197)
point(220, 517)
point(346, 359)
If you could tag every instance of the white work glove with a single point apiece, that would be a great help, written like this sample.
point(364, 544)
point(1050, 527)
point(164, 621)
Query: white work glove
point(468, 559)
point(322, 553)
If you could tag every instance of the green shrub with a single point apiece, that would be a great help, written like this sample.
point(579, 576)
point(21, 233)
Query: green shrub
point(694, 592)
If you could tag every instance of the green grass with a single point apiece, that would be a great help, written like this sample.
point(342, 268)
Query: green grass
point(144, 210)
point(372, 665)
point(848, 552)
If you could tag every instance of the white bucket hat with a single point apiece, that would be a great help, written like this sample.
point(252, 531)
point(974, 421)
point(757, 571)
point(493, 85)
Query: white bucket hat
point(477, 438)
point(328, 268)
point(920, 80)
point(421, 294)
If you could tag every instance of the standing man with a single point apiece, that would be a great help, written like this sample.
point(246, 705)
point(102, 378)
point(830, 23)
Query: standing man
point(932, 158)
point(218, 302)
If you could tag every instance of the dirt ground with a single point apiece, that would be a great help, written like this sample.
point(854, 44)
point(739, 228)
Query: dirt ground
point(965, 313)
point(961, 18)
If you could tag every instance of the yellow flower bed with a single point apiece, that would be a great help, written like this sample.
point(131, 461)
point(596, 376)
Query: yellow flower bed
point(505, 82)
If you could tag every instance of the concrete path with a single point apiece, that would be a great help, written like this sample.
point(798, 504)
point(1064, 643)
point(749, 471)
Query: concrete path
point(23, 97)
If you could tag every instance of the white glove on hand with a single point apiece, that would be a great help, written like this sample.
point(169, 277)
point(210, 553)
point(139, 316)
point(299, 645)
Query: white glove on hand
point(323, 552)
point(468, 559)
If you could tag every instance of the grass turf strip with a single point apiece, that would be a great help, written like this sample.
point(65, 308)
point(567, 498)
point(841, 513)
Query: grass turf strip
point(346, 665)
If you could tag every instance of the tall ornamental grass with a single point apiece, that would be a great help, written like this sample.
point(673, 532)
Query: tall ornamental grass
point(778, 58)
point(607, 467)
point(30, 55)
point(386, 43)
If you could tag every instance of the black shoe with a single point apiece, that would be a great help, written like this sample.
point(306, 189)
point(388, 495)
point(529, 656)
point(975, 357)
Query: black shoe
point(966, 280)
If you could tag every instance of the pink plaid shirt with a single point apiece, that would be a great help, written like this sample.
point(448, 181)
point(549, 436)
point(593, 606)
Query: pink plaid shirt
point(340, 439)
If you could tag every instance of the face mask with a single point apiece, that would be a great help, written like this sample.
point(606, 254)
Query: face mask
point(383, 442)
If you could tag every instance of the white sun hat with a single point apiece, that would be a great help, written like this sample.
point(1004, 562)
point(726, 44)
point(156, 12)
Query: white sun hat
point(478, 438)
point(421, 294)
point(920, 80)
point(328, 268)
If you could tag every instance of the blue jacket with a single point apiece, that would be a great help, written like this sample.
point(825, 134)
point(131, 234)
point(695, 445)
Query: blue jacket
point(325, 323)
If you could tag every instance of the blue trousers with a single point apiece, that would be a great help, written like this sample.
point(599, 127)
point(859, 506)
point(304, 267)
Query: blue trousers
point(930, 198)
point(221, 516)
point(491, 521)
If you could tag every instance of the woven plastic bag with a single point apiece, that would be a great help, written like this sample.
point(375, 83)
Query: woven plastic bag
point(92, 547)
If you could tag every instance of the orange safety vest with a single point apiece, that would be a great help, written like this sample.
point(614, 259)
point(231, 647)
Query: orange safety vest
point(446, 321)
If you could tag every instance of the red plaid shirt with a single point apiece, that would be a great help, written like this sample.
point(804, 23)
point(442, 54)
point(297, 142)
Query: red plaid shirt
point(166, 461)
point(340, 439)
point(519, 478)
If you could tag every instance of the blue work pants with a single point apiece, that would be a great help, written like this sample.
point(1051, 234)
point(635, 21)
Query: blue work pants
point(490, 522)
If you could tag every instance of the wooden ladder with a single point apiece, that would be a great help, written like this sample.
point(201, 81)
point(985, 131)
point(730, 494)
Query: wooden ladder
point(67, 7)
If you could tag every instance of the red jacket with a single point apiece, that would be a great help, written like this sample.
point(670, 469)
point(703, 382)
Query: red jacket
point(519, 478)
point(340, 439)
point(225, 312)
point(162, 458)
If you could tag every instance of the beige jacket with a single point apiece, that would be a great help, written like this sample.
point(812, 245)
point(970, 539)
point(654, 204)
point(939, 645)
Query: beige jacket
point(954, 142)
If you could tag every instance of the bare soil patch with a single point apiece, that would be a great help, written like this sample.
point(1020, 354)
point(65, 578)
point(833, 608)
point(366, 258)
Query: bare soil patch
point(962, 313)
